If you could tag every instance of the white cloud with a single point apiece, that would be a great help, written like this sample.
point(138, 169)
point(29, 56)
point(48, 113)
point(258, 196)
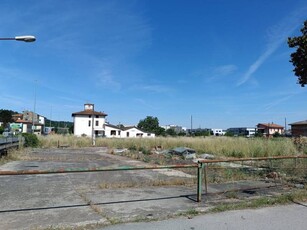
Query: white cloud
point(107, 80)
point(277, 35)
point(224, 70)
point(153, 88)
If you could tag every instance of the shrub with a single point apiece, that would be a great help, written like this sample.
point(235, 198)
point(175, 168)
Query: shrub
point(31, 140)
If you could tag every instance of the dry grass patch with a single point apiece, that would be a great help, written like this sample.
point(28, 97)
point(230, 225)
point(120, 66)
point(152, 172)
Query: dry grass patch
point(220, 146)
point(154, 183)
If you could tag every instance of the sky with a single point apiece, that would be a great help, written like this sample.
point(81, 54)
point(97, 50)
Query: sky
point(217, 63)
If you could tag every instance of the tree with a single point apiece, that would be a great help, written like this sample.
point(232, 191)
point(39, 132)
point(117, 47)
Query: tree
point(150, 124)
point(6, 116)
point(170, 132)
point(299, 57)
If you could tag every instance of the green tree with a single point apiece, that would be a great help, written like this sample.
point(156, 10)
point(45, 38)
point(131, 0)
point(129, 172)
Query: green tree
point(150, 124)
point(276, 134)
point(31, 140)
point(160, 131)
point(170, 132)
point(299, 57)
point(6, 116)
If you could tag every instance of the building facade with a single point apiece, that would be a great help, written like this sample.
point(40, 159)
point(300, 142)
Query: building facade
point(299, 128)
point(89, 122)
point(268, 129)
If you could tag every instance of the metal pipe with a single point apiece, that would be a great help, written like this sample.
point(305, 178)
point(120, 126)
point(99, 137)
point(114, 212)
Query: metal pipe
point(252, 159)
point(206, 178)
point(199, 180)
point(95, 169)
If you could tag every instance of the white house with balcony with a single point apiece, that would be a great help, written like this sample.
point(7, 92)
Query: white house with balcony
point(89, 121)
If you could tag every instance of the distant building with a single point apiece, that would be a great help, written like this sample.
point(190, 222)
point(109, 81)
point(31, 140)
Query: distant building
point(89, 121)
point(299, 128)
point(268, 129)
point(218, 132)
point(242, 131)
point(177, 129)
point(125, 132)
point(198, 130)
point(28, 122)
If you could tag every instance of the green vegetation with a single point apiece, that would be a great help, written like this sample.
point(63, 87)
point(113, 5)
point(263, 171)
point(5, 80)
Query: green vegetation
point(299, 57)
point(262, 201)
point(31, 140)
point(219, 146)
point(151, 124)
point(6, 116)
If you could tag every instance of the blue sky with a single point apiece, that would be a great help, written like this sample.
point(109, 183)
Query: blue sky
point(225, 63)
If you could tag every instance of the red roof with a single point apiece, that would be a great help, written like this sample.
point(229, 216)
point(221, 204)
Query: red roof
point(89, 112)
point(270, 125)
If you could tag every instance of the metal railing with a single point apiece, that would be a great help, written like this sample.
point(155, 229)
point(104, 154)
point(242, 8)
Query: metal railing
point(9, 142)
point(205, 163)
point(201, 165)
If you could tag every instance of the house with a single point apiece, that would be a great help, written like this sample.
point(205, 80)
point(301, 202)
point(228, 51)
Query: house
point(218, 132)
point(89, 122)
point(268, 129)
point(28, 122)
point(133, 131)
point(299, 128)
point(112, 130)
point(124, 132)
point(25, 126)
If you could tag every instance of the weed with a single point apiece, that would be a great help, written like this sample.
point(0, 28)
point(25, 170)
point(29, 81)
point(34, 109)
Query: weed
point(262, 202)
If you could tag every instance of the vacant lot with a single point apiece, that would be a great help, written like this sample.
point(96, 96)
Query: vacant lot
point(103, 198)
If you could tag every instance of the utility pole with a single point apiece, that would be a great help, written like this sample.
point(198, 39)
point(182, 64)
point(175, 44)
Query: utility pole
point(191, 124)
point(93, 134)
point(33, 127)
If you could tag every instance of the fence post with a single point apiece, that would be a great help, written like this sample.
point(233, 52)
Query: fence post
point(206, 177)
point(200, 167)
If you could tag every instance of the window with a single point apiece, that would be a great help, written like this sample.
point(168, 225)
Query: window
point(97, 123)
point(127, 134)
point(89, 116)
point(89, 123)
point(97, 116)
point(113, 132)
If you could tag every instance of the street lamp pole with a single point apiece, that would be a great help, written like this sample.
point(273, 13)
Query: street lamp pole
point(26, 38)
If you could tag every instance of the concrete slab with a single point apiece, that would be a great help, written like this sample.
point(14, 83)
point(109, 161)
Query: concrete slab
point(93, 199)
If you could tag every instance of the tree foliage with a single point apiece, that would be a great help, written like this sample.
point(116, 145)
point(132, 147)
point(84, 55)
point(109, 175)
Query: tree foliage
point(299, 57)
point(6, 116)
point(151, 124)
point(31, 140)
point(171, 132)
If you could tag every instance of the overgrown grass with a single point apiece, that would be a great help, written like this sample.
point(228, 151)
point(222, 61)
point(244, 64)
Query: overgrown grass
point(12, 155)
point(220, 146)
point(288, 198)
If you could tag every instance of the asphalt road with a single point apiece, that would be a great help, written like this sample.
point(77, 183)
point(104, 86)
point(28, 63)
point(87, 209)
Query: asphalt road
point(279, 217)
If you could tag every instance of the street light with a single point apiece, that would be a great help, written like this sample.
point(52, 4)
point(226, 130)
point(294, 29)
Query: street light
point(27, 38)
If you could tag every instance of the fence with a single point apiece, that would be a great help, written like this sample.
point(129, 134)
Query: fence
point(202, 167)
point(9, 142)
point(250, 164)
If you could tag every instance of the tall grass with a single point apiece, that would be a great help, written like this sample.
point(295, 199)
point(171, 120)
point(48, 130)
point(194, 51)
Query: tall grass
point(220, 146)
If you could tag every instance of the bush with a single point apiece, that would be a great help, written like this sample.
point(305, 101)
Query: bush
point(31, 140)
